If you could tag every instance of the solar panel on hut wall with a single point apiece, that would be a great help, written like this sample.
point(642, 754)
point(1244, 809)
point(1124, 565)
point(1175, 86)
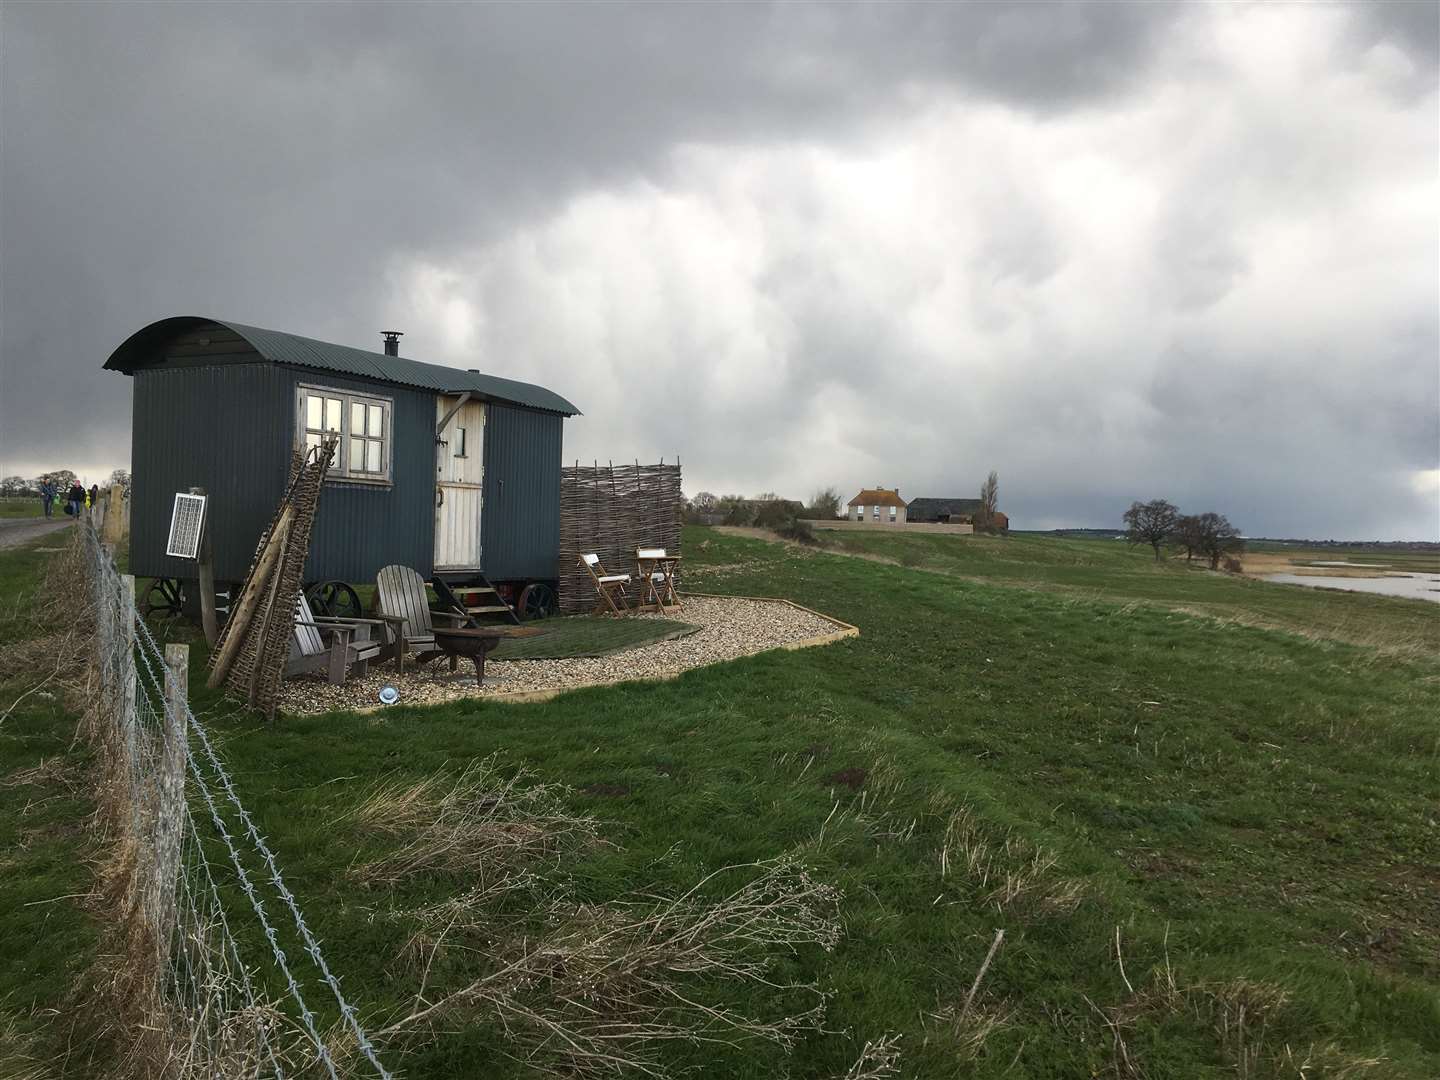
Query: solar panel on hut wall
point(186, 521)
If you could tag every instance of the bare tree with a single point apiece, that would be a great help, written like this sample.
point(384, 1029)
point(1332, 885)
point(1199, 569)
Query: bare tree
point(989, 501)
point(61, 478)
point(824, 505)
point(1187, 535)
point(15, 485)
point(1216, 537)
point(737, 510)
point(119, 478)
point(704, 503)
point(1151, 523)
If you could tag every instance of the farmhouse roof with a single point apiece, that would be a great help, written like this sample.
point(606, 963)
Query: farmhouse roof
point(877, 497)
point(942, 507)
point(281, 348)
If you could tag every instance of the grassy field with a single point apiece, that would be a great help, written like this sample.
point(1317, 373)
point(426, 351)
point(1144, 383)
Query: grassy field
point(1202, 809)
point(1113, 570)
point(30, 506)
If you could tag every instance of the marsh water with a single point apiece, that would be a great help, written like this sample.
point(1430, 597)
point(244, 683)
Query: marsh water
point(1412, 586)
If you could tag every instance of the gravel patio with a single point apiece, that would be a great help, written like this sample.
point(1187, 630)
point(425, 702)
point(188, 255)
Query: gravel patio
point(729, 628)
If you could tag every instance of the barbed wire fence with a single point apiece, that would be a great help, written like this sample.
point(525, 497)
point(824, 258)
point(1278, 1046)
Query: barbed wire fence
point(194, 974)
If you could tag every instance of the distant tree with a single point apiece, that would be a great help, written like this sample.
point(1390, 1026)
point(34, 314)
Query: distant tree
point(989, 502)
point(767, 496)
point(824, 505)
point(119, 478)
point(61, 478)
point(1151, 523)
point(16, 485)
point(773, 513)
point(736, 508)
point(704, 503)
point(1217, 538)
point(1187, 534)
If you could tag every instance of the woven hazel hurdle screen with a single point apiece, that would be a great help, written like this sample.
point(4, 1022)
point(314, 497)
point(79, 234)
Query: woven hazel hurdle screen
point(611, 510)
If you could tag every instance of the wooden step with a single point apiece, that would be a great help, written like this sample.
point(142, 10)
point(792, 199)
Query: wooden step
point(487, 608)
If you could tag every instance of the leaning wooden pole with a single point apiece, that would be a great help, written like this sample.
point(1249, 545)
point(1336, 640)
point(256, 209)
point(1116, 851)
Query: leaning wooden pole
point(244, 609)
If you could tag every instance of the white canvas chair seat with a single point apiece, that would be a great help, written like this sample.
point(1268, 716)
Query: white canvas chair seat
point(610, 592)
point(403, 604)
point(654, 579)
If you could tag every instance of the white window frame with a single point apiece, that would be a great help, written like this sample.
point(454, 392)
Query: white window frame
point(341, 470)
point(892, 515)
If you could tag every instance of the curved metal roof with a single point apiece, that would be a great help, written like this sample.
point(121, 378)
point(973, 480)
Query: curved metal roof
point(282, 348)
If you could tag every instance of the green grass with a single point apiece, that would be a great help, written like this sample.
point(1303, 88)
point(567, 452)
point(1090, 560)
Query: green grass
point(1247, 805)
point(46, 937)
point(587, 635)
point(1113, 570)
point(23, 507)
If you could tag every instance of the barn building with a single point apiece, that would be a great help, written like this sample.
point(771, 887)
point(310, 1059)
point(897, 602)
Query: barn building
point(455, 473)
point(953, 512)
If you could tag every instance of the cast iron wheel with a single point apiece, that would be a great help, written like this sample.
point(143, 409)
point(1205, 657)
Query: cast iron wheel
point(537, 601)
point(164, 597)
point(335, 599)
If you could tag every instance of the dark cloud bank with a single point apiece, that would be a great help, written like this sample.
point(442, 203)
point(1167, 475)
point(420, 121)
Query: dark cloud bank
point(1111, 250)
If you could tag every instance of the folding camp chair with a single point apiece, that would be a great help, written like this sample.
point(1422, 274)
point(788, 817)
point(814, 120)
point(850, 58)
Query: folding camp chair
point(607, 586)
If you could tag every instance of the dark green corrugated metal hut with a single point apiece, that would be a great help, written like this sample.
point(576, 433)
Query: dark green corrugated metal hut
point(220, 405)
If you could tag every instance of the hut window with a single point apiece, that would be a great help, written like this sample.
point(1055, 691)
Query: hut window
point(361, 422)
point(459, 442)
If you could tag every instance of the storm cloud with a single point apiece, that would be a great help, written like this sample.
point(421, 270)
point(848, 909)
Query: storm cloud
point(1113, 251)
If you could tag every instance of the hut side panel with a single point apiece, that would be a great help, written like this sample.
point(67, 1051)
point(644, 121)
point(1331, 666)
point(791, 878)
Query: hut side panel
point(520, 524)
point(225, 427)
point(361, 527)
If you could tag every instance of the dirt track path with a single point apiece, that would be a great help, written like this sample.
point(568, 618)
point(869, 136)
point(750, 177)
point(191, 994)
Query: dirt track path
point(22, 529)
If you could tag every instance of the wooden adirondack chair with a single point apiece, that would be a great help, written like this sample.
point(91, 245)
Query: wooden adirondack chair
point(402, 603)
point(334, 646)
point(608, 587)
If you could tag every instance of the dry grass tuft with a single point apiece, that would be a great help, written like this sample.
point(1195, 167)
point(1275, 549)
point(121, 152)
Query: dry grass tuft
point(879, 1058)
point(1012, 874)
point(19, 1059)
point(47, 644)
point(608, 986)
point(1238, 1013)
point(479, 823)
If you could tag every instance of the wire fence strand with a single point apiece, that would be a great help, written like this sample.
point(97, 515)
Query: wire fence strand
point(203, 954)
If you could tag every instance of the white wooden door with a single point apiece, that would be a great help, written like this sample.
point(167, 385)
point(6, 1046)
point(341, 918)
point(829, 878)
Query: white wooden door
point(459, 484)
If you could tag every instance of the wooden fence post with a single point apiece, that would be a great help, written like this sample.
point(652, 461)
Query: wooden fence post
point(206, 567)
point(170, 792)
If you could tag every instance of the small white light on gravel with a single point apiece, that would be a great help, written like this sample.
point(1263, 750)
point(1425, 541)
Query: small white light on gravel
point(389, 695)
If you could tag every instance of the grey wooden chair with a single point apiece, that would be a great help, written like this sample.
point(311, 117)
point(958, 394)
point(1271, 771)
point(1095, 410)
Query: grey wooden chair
point(402, 603)
point(338, 647)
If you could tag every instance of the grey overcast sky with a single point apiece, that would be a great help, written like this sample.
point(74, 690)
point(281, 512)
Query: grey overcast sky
point(1112, 250)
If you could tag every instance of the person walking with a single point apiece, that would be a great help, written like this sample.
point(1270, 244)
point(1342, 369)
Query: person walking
point(47, 496)
point(76, 500)
point(94, 494)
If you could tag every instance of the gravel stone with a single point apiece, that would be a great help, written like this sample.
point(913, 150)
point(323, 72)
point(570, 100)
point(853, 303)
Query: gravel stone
point(729, 628)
